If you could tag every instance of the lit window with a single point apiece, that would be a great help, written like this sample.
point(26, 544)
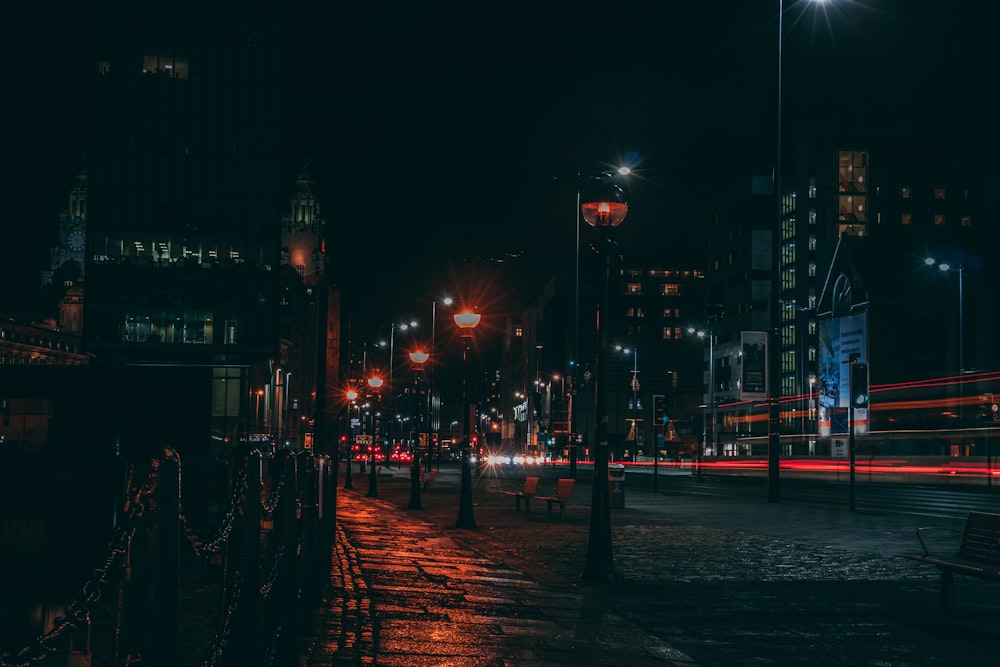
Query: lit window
point(907, 218)
point(939, 193)
point(670, 289)
point(966, 220)
point(518, 332)
point(905, 192)
point(938, 219)
point(633, 288)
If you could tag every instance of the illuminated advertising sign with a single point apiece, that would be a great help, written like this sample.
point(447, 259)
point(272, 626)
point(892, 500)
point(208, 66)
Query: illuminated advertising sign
point(841, 341)
point(753, 360)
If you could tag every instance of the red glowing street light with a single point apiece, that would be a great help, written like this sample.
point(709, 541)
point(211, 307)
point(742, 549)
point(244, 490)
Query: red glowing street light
point(466, 320)
point(375, 382)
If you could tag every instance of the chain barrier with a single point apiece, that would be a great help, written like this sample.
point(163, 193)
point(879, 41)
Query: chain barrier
point(271, 503)
point(272, 651)
point(201, 548)
point(78, 611)
point(265, 589)
point(140, 501)
point(225, 627)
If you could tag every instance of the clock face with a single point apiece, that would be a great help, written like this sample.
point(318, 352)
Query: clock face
point(76, 239)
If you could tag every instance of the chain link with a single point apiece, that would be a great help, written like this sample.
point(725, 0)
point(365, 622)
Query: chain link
point(140, 501)
point(78, 611)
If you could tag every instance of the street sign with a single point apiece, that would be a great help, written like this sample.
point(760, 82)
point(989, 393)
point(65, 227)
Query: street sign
point(838, 449)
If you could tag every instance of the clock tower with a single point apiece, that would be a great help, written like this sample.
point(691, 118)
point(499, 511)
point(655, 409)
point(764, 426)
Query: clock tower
point(66, 257)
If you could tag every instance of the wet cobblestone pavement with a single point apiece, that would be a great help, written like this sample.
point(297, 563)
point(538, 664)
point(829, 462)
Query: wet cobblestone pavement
point(701, 582)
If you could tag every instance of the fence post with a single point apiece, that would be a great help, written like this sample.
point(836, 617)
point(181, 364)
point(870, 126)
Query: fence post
point(161, 635)
point(309, 521)
point(286, 530)
point(243, 557)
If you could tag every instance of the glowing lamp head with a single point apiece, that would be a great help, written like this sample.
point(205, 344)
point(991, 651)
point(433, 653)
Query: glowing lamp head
point(604, 204)
point(375, 382)
point(467, 319)
point(351, 395)
point(419, 356)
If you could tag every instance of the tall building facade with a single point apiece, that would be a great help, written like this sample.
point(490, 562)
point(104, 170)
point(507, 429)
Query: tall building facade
point(654, 364)
point(900, 203)
point(182, 244)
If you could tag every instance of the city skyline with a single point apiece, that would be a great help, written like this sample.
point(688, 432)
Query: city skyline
point(434, 154)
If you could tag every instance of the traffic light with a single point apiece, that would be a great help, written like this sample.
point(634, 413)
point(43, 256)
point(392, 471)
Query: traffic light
point(660, 409)
point(859, 385)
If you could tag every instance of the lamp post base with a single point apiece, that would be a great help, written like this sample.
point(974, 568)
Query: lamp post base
point(466, 520)
point(416, 503)
point(600, 565)
point(372, 480)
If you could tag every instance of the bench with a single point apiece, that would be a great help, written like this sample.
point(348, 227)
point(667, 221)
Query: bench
point(978, 554)
point(562, 495)
point(428, 478)
point(527, 492)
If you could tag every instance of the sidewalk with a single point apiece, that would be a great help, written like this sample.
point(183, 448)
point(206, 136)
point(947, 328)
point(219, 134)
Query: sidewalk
point(701, 582)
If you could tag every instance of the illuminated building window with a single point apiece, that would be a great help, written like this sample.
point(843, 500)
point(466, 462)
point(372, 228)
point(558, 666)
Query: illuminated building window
point(670, 289)
point(939, 193)
point(966, 220)
point(633, 288)
point(907, 218)
point(938, 219)
point(671, 333)
point(167, 67)
point(904, 192)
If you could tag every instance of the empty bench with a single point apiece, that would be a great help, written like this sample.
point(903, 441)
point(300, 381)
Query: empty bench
point(526, 493)
point(562, 495)
point(978, 554)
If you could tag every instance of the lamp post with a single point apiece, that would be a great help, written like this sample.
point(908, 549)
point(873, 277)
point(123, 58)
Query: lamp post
point(711, 396)
point(774, 356)
point(392, 341)
point(430, 383)
point(635, 393)
point(960, 269)
point(604, 207)
point(351, 396)
point(467, 321)
point(418, 358)
point(375, 383)
point(575, 362)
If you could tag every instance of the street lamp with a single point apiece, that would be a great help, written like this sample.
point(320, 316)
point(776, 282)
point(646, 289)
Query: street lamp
point(635, 394)
point(430, 383)
point(603, 206)
point(960, 269)
point(418, 358)
point(575, 361)
point(259, 393)
point(351, 396)
point(467, 321)
point(392, 341)
point(711, 394)
point(375, 383)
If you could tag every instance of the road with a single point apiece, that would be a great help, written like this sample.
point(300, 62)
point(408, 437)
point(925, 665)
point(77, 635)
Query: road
point(937, 500)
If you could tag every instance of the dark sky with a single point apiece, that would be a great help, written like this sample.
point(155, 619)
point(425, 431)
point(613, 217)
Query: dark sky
point(440, 137)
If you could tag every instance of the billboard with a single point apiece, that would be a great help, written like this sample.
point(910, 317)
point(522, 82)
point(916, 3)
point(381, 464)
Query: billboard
point(841, 341)
point(753, 363)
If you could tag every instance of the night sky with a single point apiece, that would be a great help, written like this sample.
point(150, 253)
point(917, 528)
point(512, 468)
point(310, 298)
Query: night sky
point(443, 139)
